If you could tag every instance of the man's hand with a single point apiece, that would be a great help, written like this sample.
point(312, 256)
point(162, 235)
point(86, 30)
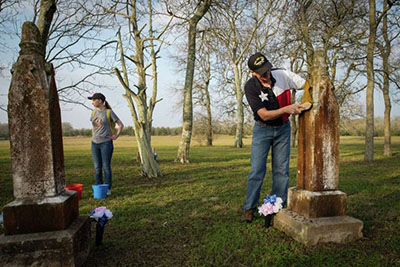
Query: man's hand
point(293, 109)
point(305, 106)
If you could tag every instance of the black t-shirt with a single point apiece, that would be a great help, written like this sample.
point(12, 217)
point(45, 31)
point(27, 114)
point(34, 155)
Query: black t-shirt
point(259, 97)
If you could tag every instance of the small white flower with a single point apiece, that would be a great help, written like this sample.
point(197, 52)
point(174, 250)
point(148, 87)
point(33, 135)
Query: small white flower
point(98, 214)
point(277, 207)
point(108, 214)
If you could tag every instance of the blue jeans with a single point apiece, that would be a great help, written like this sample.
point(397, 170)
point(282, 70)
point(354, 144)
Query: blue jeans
point(264, 138)
point(102, 154)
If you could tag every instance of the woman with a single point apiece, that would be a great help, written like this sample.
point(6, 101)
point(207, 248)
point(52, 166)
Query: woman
point(103, 133)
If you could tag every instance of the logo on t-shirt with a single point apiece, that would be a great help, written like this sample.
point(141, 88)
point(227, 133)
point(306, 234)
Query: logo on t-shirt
point(98, 122)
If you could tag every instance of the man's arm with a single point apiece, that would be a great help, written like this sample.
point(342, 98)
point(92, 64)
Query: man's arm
point(296, 81)
point(267, 115)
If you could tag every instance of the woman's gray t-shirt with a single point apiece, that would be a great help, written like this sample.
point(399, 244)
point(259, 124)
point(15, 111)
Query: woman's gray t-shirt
point(100, 128)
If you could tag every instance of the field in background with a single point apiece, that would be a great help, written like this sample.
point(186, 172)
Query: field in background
point(219, 140)
point(191, 215)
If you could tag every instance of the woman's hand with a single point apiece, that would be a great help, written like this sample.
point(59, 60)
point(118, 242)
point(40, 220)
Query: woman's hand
point(120, 127)
point(113, 137)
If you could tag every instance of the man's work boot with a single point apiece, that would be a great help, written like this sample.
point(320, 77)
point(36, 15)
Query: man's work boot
point(247, 216)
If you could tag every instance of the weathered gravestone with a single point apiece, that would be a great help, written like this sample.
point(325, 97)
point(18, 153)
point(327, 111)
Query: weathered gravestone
point(42, 225)
point(316, 211)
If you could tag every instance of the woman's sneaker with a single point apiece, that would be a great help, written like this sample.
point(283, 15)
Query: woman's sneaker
point(108, 192)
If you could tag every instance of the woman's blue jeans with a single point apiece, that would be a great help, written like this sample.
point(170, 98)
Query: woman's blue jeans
point(278, 139)
point(102, 154)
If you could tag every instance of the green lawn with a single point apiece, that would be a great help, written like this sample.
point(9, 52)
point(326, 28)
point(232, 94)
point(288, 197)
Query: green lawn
point(191, 215)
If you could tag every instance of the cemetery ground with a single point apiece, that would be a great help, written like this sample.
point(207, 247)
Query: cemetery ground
point(191, 215)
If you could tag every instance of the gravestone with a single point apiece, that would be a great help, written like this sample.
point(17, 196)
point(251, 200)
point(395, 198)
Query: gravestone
point(316, 211)
point(42, 225)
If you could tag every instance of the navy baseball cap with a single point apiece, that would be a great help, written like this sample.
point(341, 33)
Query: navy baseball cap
point(259, 63)
point(97, 96)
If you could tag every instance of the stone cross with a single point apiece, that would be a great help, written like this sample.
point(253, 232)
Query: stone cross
point(316, 209)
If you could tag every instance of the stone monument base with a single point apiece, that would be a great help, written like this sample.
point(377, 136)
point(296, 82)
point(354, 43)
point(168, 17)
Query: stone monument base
point(312, 204)
point(69, 247)
point(33, 215)
point(312, 231)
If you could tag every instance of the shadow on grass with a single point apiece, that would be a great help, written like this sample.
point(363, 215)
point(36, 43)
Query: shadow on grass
point(191, 216)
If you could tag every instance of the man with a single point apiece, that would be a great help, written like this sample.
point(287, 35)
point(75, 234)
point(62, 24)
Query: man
point(268, 94)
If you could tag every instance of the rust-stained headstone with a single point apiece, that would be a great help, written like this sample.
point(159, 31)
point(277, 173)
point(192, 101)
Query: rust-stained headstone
point(316, 211)
point(318, 146)
point(34, 122)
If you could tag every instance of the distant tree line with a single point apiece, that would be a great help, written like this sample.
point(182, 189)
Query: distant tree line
point(354, 127)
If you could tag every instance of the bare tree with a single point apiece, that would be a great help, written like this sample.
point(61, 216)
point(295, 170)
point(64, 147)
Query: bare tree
point(205, 71)
point(369, 130)
point(234, 24)
point(8, 11)
point(203, 77)
point(337, 27)
point(296, 65)
point(136, 95)
point(374, 20)
point(184, 144)
point(389, 33)
point(73, 40)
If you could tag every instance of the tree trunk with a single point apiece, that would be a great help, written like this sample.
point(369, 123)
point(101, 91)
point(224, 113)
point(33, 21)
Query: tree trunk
point(239, 111)
point(387, 131)
point(208, 109)
point(306, 34)
point(149, 166)
point(239, 121)
point(153, 55)
point(293, 124)
point(385, 90)
point(187, 127)
point(47, 10)
point(369, 131)
point(140, 118)
point(209, 127)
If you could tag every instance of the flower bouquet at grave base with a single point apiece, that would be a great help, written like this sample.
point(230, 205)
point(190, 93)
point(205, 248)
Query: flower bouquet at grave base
point(101, 215)
point(272, 205)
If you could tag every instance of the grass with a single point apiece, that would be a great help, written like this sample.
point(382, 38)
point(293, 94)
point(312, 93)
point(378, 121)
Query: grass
point(191, 215)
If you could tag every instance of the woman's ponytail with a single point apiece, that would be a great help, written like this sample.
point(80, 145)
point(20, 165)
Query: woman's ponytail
point(107, 105)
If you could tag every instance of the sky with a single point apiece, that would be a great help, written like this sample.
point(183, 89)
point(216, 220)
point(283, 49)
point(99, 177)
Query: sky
point(166, 114)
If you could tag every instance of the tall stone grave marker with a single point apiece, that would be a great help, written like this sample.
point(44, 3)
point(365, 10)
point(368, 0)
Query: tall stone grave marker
point(316, 211)
point(41, 225)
